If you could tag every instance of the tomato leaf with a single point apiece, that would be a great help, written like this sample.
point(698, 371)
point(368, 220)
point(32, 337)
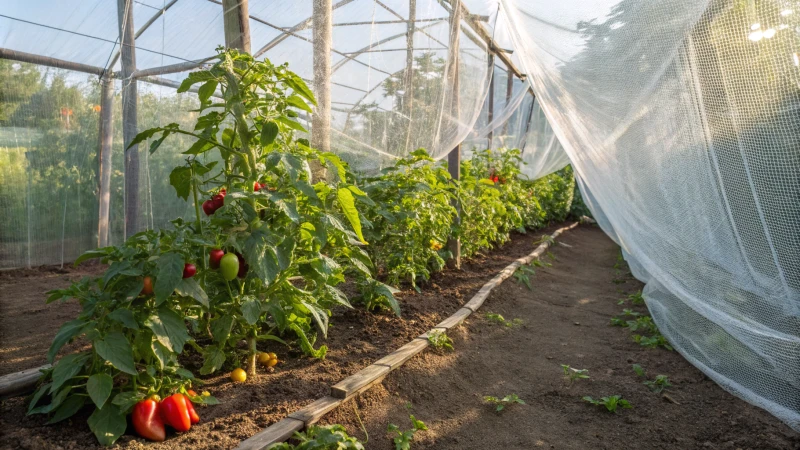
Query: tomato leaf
point(251, 309)
point(169, 272)
point(188, 287)
point(91, 254)
point(261, 256)
point(181, 179)
point(99, 388)
point(67, 331)
point(161, 353)
point(347, 202)
point(169, 329)
point(269, 131)
point(116, 349)
point(207, 90)
point(221, 328)
point(214, 359)
point(67, 367)
point(291, 124)
point(125, 317)
point(107, 424)
point(68, 408)
point(194, 78)
point(298, 103)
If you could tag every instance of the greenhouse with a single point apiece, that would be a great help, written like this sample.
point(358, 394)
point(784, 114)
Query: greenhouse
point(394, 224)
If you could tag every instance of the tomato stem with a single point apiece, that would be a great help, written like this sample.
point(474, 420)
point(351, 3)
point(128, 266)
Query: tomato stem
point(251, 358)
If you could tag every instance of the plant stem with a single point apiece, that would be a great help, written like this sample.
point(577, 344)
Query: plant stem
point(251, 357)
point(197, 206)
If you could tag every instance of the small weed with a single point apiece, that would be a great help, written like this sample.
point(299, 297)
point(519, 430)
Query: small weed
point(440, 340)
point(611, 403)
point(402, 439)
point(546, 238)
point(658, 340)
point(523, 275)
point(639, 370)
point(539, 263)
point(500, 320)
point(501, 403)
point(551, 255)
point(659, 384)
point(322, 437)
point(635, 299)
point(572, 374)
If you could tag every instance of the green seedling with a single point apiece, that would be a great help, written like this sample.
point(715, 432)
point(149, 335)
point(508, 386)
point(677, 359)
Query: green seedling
point(523, 275)
point(440, 340)
point(546, 238)
point(635, 299)
point(658, 340)
point(501, 403)
point(611, 403)
point(500, 320)
point(321, 438)
point(551, 255)
point(539, 263)
point(572, 374)
point(639, 370)
point(402, 439)
point(659, 384)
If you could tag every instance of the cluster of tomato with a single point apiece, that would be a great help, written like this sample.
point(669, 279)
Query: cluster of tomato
point(435, 245)
point(231, 265)
point(189, 270)
point(151, 415)
point(216, 202)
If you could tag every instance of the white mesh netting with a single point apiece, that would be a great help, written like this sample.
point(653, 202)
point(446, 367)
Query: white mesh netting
point(681, 119)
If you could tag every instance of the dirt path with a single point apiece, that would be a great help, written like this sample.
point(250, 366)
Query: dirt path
point(566, 321)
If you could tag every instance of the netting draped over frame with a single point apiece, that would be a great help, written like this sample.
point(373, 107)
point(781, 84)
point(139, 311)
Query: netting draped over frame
point(682, 119)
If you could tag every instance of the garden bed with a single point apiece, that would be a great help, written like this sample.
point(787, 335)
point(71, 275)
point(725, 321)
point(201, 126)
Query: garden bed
point(356, 339)
point(566, 321)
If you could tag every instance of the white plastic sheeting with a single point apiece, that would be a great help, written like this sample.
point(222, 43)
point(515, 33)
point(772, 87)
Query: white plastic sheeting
point(682, 119)
point(542, 153)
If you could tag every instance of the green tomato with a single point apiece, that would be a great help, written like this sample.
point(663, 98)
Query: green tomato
point(229, 266)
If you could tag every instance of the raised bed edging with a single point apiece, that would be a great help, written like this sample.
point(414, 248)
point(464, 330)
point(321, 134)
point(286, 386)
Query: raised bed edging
point(377, 371)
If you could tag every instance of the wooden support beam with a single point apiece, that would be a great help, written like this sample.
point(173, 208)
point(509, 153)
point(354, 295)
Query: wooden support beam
point(237, 24)
point(144, 28)
point(509, 89)
point(491, 98)
point(322, 38)
point(475, 23)
point(454, 157)
point(14, 55)
point(104, 159)
point(130, 98)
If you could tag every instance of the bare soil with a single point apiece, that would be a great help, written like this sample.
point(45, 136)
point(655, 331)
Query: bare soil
point(566, 321)
point(356, 338)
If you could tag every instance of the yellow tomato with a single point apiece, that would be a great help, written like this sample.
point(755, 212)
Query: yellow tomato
point(238, 375)
point(263, 358)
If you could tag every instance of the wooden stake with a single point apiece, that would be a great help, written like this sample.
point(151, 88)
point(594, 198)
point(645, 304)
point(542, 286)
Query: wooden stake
point(236, 20)
point(106, 140)
point(130, 98)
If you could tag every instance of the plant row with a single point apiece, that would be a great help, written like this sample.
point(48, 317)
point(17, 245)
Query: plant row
point(278, 228)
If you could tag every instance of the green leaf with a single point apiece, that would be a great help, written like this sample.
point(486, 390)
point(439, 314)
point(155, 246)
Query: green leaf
point(169, 273)
point(67, 367)
point(188, 287)
point(298, 102)
point(261, 257)
point(251, 309)
point(169, 329)
point(269, 131)
point(347, 202)
point(116, 349)
point(214, 359)
point(181, 179)
point(144, 135)
point(37, 396)
point(388, 292)
point(91, 254)
point(284, 252)
point(67, 331)
point(299, 87)
point(221, 328)
point(99, 388)
point(202, 145)
point(68, 408)
point(161, 353)
point(337, 162)
point(125, 317)
point(107, 424)
point(291, 124)
point(119, 268)
point(194, 78)
point(126, 400)
point(207, 90)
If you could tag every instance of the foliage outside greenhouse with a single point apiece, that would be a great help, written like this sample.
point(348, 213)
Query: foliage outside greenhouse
point(268, 249)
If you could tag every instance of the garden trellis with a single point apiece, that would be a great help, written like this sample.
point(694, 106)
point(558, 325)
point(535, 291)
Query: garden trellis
point(681, 120)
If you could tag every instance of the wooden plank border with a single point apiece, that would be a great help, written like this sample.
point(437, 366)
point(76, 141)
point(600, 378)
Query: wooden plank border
point(377, 371)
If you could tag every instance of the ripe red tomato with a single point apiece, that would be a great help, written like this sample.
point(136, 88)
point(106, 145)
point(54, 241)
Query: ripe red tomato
point(214, 256)
point(147, 420)
point(223, 192)
point(175, 412)
point(189, 270)
point(256, 186)
point(218, 201)
point(148, 286)
point(208, 207)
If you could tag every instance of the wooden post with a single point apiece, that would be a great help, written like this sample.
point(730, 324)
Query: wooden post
point(491, 96)
point(236, 20)
point(104, 159)
point(322, 36)
point(509, 89)
point(130, 97)
point(408, 83)
point(454, 157)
